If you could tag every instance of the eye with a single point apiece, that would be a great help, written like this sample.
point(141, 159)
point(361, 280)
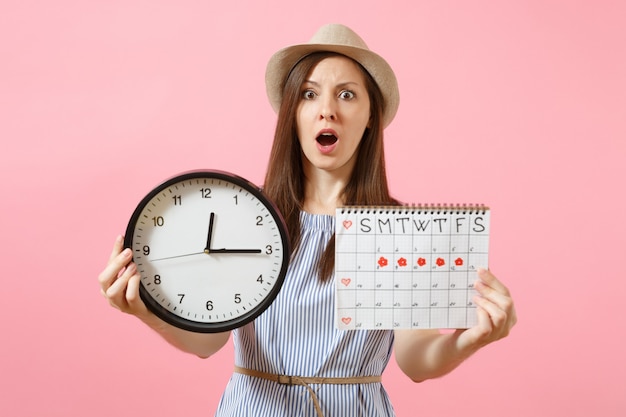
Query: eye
point(346, 95)
point(308, 94)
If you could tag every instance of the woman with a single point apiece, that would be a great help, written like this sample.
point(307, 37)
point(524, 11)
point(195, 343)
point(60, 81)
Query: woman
point(334, 97)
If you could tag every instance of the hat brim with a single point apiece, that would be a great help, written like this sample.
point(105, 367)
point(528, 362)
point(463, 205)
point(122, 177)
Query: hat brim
point(283, 61)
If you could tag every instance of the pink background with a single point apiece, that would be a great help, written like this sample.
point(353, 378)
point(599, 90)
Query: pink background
point(519, 105)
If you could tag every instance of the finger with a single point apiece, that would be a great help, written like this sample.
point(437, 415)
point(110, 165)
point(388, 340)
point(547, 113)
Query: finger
point(497, 299)
point(116, 293)
point(132, 294)
point(490, 279)
point(478, 335)
point(493, 295)
point(110, 272)
point(113, 269)
point(496, 315)
point(117, 247)
point(484, 320)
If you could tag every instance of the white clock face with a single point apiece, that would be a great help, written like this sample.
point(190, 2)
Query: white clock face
point(211, 250)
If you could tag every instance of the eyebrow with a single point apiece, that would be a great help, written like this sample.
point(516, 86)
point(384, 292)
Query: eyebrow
point(340, 85)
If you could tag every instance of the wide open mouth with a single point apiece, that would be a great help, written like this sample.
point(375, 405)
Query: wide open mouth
point(326, 139)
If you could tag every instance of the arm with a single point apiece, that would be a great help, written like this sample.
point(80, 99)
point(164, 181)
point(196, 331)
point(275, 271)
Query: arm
point(119, 284)
point(426, 354)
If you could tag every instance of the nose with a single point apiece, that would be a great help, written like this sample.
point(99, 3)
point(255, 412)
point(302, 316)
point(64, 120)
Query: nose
point(328, 109)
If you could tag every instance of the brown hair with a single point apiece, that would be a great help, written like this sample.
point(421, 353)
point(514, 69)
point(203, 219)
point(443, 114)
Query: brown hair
point(284, 180)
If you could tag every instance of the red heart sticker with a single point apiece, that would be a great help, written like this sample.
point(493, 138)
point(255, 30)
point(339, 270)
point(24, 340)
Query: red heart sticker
point(346, 281)
point(346, 320)
point(347, 224)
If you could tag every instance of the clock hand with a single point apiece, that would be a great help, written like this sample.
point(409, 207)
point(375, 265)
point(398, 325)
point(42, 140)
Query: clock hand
point(236, 250)
point(207, 249)
point(177, 256)
point(212, 251)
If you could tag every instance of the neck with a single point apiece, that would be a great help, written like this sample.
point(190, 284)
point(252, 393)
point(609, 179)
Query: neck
point(323, 190)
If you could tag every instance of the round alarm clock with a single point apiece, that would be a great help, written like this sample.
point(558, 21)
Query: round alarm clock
point(212, 250)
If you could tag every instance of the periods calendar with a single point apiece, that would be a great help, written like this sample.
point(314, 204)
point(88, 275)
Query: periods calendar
point(409, 267)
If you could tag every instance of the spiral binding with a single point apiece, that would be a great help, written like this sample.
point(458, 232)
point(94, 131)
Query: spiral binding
point(417, 209)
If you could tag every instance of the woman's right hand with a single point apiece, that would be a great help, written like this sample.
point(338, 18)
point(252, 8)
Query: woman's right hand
point(119, 281)
point(119, 284)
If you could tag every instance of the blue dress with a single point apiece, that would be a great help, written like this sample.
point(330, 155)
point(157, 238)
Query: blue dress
point(297, 336)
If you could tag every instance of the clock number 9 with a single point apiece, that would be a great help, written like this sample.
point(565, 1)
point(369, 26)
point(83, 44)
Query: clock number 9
point(146, 250)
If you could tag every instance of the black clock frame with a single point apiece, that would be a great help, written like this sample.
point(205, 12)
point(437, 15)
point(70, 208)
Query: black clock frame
point(216, 327)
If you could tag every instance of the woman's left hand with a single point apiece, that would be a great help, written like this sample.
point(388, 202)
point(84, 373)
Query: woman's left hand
point(496, 313)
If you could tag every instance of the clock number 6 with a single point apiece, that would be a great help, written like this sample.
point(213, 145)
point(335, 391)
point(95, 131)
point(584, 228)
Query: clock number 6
point(209, 305)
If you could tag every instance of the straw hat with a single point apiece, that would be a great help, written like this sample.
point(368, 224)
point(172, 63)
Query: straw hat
point(343, 40)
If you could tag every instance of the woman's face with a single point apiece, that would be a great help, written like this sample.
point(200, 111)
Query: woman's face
point(332, 115)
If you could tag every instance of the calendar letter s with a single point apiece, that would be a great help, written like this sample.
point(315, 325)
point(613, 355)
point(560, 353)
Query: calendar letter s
point(478, 225)
point(365, 225)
